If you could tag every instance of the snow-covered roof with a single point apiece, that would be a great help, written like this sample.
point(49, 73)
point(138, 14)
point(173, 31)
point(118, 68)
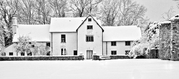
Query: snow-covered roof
point(38, 33)
point(66, 24)
point(175, 17)
point(121, 33)
point(165, 22)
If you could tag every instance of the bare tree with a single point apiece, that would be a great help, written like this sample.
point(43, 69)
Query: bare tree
point(8, 10)
point(27, 11)
point(122, 12)
point(42, 9)
point(58, 7)
point(1, 35)
point(82, 8)
point(169, 14)
point(109, 10)
point(130, 12)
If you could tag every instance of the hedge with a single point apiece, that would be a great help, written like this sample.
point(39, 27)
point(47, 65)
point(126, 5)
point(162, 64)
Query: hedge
point(96, 57)
point(43, 58)
point(119, 57)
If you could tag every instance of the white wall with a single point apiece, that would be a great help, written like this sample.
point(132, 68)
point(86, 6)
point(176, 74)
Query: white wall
point(96, 45)
point(70, 45)
point(105, 48)
point(120, 47)
point(10, 48)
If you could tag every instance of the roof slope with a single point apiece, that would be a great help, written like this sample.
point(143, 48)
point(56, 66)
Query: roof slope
point(95, 19)
point(121, 33)
point(66, 24)
point(39, 33)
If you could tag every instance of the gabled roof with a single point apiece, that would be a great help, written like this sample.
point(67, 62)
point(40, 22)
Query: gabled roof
point(121, 33)
point(65, 24)
point(94, 19)
point(38, 33)
point(69, 24)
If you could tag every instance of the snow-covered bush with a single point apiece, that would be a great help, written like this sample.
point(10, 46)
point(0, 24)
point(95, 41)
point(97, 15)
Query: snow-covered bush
point(23, 45)
point(26, 46)
point(149, 40)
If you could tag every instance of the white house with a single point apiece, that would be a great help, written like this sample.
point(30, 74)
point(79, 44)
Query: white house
point(81, 36)
point(36, 33)
point(75, 36)
point(118, 40)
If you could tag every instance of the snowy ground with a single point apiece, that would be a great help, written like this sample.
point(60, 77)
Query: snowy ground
point(88, 69)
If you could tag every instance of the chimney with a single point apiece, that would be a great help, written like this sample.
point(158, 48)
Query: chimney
point(14, 25)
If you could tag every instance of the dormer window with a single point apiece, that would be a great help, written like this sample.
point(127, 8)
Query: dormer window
point(89, 20)
point(89, 27)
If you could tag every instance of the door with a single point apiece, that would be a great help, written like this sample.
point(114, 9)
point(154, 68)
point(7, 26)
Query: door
point(63, 51)
point(89, 54)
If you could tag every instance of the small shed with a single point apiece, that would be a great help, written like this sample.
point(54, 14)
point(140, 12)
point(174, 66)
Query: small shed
point(169, 39)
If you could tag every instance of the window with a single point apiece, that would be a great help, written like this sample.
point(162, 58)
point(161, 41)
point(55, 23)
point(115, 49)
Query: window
point(89, 27)
point(89, 38)
point(10, 53)
point(127, 43)
point(29, 54)
point(48, 44)
point(89, 20)
point(127, 52)
point(3, 54)
point(75, 52)
point(22, 54)
point(113, 52)
point(63, 51)
point(33, 46)
point(48, 53)
point(63, 40)
point(113, 43)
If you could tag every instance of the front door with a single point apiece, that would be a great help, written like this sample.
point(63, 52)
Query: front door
point(89, 54)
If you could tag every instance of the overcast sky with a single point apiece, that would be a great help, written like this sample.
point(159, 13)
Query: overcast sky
point(156, 8)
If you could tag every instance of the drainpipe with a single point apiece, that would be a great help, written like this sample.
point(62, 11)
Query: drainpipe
point(171, 43)
point(106, 49)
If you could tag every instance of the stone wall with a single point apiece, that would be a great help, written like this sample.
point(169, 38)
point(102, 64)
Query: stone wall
point(165, 35)
point(175, 40)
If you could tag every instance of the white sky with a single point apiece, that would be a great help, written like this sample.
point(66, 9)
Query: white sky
point(156, 8)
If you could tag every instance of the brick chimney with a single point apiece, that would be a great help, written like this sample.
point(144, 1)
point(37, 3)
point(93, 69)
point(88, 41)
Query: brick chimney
point(14, 25)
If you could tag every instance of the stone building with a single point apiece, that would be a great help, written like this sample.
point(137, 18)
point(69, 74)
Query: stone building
point(169, 39)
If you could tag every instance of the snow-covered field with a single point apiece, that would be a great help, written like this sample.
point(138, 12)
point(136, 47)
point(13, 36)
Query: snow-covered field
point(88, 69)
